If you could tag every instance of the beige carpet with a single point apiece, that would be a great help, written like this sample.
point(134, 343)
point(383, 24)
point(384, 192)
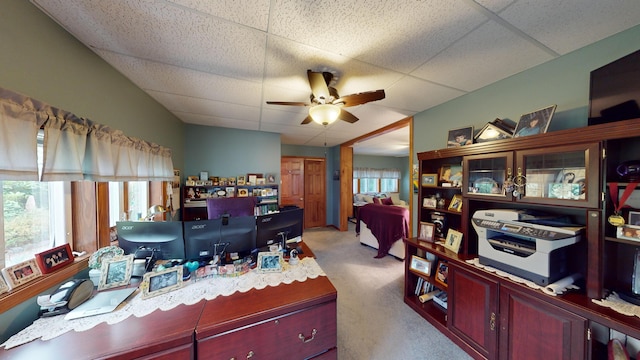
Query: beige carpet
point(373, 320)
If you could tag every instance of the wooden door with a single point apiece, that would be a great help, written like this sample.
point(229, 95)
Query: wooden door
point(534, 329)
point(292, 181)
point(315, 193)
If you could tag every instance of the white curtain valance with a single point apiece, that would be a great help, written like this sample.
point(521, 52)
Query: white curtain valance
point(370, 173)
point(73, 148)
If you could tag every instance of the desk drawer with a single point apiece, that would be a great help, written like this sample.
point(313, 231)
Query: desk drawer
point(297, 335)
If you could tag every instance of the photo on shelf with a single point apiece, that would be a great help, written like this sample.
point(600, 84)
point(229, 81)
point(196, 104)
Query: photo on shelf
point(534, 123)
point(442, 274)
point(420, 265)
point(161, 282)
point(21, 273)
point(429, 180)
point(115, 272)
point(430, 203)
point(495, 130)
point(427, 231)
point(456, 203)
point(453, 240)
point(241, 180)
point(460, 137)
point(55, 258)
point(450, 174)
point(634, 218)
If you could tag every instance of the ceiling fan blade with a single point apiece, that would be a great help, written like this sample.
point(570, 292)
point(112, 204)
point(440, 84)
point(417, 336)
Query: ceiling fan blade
point(361, 98)
point(347, 116)
point(306, 120)
point(292, 103)
point(318, 85)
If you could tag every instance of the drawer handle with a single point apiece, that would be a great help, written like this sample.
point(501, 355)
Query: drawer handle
point(250, 354)
point(492, 322)
point(306, 340)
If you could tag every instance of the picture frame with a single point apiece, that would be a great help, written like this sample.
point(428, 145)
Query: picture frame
point(453, 240)
point(429, 180)
point(271, 178)
point(251, 178)
point(193, 178)
point(536, 122)
point(450, 174)
point(269, 261)
point(495, 130)
point(204, 175)
point(115, 272)
point(55, 258)
point(21, 273)
point(456, 203)
point(420, 265)
point(430, 203)
point(241, 180)
point(242, 192)
point(628, 232)
point(161, 282)
point(442, 274)
point(460, 137)
point(634, 218)
point(3, 286)
point(260, 181)
point(427, 231)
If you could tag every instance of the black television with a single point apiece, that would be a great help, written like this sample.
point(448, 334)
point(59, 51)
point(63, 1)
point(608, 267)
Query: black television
point(614, 91)
point(165, 237)
point(201, 238)
point(285, 225)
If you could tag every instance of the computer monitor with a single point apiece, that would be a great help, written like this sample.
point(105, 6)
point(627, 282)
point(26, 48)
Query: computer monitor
point(163, 236)
point(239, 232)
point(235, 206)
point(273, 227)
point(201, 238)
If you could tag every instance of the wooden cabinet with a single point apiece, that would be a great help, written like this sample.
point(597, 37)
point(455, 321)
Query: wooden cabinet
point(194, 205)
point(571, 174)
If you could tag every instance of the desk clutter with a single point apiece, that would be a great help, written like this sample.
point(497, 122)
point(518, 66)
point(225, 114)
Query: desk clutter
point(190, 292)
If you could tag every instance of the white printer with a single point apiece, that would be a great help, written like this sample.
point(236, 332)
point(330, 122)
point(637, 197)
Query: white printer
point(527, 245)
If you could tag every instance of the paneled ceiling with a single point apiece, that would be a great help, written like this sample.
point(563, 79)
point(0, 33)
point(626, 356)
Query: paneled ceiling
point(216, 63)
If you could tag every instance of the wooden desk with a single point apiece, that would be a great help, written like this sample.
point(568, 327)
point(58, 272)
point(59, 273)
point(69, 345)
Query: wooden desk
point(268, 322)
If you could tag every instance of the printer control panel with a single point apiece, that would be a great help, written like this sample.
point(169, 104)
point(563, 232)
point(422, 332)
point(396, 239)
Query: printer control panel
point(516, 229)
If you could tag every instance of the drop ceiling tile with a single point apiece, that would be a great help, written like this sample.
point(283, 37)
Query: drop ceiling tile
point(214, 121)
point(567, 25)
point(486, 55)
point(252, 13)
point(415, 94)
point(197, 106)
point(149, 75)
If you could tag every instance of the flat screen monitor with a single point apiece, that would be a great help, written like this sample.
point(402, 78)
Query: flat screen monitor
point(614, 92)
point(200, 239)
point(286, 223)
point(235, 206)
point(164, 236)
point(239, 233)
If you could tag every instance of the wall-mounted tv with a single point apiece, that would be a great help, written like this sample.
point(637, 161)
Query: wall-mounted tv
point(614, 92)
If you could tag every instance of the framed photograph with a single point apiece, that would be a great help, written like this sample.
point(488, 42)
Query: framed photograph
point(260, 181)
point(269, 261)
point(204, 175)
point(241, 180)
point(460, 137)
point(628, 232)
point(456, 203)
point(453, 240)
point(429, 179)
point(494, 131)
point(430, 203)
point(427, 231)
point(534, 123)
point(242, 192)
point(271, 178)
point(200, 183)
point(161, 282)
point(115, 272)
point(442, 274)
point(215, 180)
point(222, 181)
point(54, 259)
point(634, 218)
point(420, 265)
point(231, 181)
point(21, 273)
point(450, 174)
point(3, 286)
point(251, 178)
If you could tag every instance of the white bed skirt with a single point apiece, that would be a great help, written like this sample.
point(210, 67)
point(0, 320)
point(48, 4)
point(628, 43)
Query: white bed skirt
point(367, 238)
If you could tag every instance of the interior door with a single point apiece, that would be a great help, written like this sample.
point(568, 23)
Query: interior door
point(315, 193)
point(292, 181)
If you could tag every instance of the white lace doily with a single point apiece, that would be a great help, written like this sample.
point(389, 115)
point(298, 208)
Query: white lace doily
point(192, 292)
point(557, 288)
point(614, 302)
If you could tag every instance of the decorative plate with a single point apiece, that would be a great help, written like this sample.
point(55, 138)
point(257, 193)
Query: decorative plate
point(486, 186)
point(108, 252)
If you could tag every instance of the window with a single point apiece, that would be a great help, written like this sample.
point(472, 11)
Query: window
point(137, 201)
point(36, 216)
point(375, 180)
point(368, 185)
point(389, 185)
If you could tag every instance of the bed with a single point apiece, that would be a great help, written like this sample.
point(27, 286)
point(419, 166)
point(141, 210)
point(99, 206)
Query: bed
point(383, 227)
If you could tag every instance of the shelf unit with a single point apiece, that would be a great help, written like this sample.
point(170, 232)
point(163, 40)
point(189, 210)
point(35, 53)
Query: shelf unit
point(566, 173)
point(194, 204)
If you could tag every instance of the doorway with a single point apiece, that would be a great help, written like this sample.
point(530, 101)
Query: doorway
point(303, 184)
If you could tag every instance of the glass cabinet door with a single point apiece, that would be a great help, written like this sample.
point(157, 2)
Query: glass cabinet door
point(565, 175)
point(485, 175)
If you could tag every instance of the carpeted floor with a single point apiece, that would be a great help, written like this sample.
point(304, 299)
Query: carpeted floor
point(373, 320)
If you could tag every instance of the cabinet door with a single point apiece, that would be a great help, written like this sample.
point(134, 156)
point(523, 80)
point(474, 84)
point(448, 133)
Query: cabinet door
point(485, 175)
point(534, 329)
point(473, 310)
point(564, 175)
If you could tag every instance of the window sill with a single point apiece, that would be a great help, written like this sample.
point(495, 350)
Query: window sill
point(38, 286)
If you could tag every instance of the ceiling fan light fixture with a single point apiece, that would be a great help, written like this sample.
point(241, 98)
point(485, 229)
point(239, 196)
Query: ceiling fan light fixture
point(324, 114)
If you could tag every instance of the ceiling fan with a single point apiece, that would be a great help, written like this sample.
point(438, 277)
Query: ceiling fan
point(326, 105)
